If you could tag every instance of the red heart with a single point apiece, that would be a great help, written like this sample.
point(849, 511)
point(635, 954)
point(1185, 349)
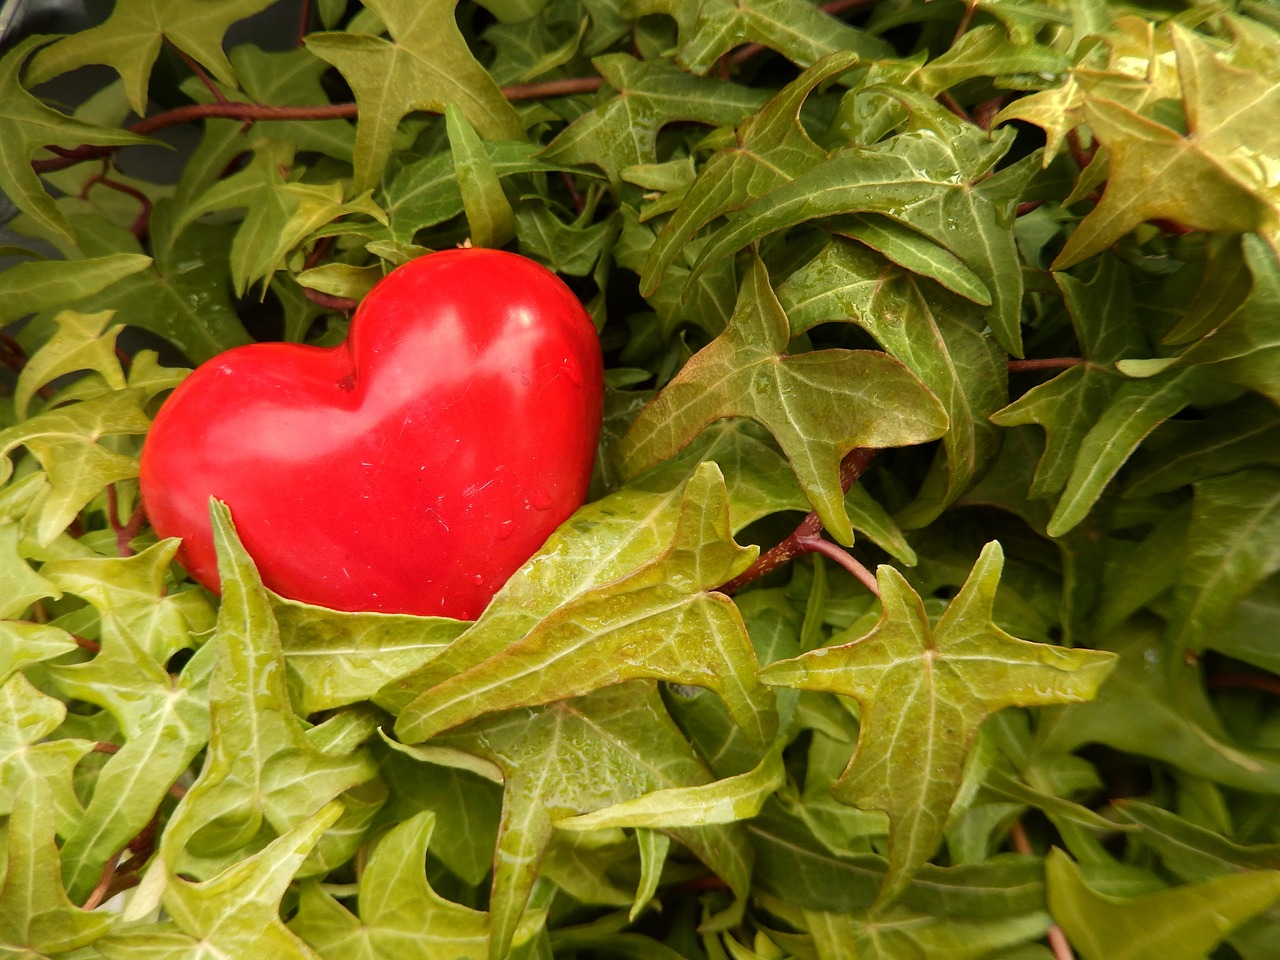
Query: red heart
point(414, 467)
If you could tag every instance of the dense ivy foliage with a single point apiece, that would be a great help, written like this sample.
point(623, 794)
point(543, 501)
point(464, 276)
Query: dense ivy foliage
point(927, 601)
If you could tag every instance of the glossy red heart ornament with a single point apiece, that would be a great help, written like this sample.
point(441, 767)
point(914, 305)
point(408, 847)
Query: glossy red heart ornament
point(411, 469)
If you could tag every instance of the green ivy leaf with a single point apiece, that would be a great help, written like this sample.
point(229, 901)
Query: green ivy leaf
point(958, 360)
point(621, 631)
point(724, 801)
point(26, 125)
point(924, 692)
point(81, 341)
point(182, 296)
point(933, 179)
point(129, 42)
point(236, 912)
point(623, 131)
point(35, 915)
point(400, 915)
point(575, 757)
point(424, 66)
point(46, 284)
point(1233, 544)
point(488, 210)
point(772, 148)
point(1183, 923)
point(796, 29)
point(262, 776)
point(1201, 179)
point(1070, 405)
point(746, 373)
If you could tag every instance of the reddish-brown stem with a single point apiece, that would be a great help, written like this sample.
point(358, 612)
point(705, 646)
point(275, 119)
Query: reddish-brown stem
point(199, 71)
point(304, 21)
point(578, 202)
point(984, 114)
point(329, 301)
point(1048, 363)
point(142, 222)
point(1249, 681)
point(125, 532)
point(1082, 156)
point(552, 88)
point(249, 112)
point(15, 358)
point(1027, 207)
point(1057, 939)
point(318, 252)
point(852, 467)
point(84, 643)
point(99, 893)
point(952, 104)
point(102, 746)
point(841, 556)
point(966, 18)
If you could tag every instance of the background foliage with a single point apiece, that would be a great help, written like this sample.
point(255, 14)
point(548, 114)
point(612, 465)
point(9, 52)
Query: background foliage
point(987, 291)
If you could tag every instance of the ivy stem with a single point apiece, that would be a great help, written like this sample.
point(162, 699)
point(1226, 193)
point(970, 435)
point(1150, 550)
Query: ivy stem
point(204, 77)
point(125, 532)
point(843, 557)
point(1048, 363)
point(852, 467)
point(1229, 681)
point(1057, 939)
point(142, 222)
point(329, 301)
point(250, 112)
point(100, 891)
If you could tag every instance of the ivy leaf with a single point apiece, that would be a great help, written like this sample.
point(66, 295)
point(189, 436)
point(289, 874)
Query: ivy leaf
point(1150, 165)
point(796, 29)
point(65, 441)
point(1147, 708)
point(818, 405)
point(163, 719)
point(623, 131)
point(924, 692)
point(426, 65)
point(1233, 544)
point(236, 912)
point(35, 915)
point(1246, 349)
point(609, 539)
point(939, 337)
point(129, 42)
point(488, 210)
point(26, 125)
point(340, 658)
point(724, 801)
point(81, 341)
point(987, 51)
point(575, 757)
point(262, 775)
point(426, 192)
point(1070, 405)
point(27, 718)
point(1135, 409)
point(182, 296)
point(772, 148)
point(901, 932)
point(628, 629)
point(1182, 923)
point(45, 284)
point(932, 179)
point(400, 915)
